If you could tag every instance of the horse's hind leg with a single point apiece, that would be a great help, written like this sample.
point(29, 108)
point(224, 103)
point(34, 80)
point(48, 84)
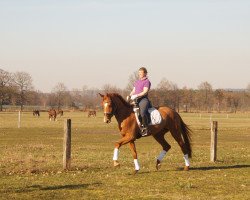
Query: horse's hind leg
point(178, 138)
point(159, 137)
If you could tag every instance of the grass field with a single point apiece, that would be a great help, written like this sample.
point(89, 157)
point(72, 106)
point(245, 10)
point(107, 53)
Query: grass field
point(31, 161)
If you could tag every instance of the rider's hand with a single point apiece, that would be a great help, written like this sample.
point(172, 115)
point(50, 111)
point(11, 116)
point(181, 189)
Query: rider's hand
point(128, 98)
point(133, 97)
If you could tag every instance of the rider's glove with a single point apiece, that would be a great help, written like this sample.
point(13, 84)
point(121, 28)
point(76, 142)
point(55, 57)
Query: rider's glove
point(133, 97)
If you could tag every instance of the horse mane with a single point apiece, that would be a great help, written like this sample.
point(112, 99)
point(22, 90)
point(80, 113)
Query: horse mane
point(116, 95)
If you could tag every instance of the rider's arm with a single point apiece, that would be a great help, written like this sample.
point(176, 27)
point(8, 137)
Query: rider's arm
point(132, 92)
point(144, 92)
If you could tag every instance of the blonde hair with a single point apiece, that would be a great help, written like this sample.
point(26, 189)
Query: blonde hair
point(143, 69)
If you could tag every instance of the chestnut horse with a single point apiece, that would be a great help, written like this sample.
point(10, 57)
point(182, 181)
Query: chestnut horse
point(52, 114)
point(115, 105)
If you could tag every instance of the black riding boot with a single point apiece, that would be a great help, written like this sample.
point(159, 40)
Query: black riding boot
point(144, 130)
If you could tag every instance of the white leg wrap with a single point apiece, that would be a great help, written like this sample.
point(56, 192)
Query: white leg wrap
point(116, 151)
point(187, 163)
point(137, 167)
point(161, 156)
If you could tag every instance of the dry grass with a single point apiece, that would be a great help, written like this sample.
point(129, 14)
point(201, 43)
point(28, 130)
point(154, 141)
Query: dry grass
point(31, 161)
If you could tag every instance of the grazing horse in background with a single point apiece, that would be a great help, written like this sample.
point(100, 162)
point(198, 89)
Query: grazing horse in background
point(115, 105)
point(52, 114)
point(36, 113)
point(92, 113)
point(60, 112)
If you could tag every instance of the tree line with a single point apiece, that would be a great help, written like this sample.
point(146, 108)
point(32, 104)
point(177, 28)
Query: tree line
point(16, 89)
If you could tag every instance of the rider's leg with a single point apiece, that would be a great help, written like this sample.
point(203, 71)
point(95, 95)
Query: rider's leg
point(144, 105)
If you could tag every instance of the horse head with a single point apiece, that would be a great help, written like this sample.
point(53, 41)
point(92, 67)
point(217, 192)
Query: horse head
point(109, 107)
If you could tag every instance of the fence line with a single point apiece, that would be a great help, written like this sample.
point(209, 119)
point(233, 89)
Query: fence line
point(67, 145)
point(213, 147)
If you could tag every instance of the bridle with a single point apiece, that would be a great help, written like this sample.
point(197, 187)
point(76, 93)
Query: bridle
point(109, 115)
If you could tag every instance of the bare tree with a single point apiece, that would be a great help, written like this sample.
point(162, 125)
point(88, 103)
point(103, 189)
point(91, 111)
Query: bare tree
point(168, 93)
point(206, 92)
point(5, 79)
point(229, 102)
point(247, 102)
point(164, 84)
point(131, 81)
point(154, 99)
point(90, 98)
point(23, 83)
point(236, 102)
point(108, 88)
point(87, 98)
point(233, 101)
point(187, 98)
point(36, 98)
point(175, 97)
point(59, 93)
point(163, 92)
point(219, 96)
point(248, 87)
point(78, 97)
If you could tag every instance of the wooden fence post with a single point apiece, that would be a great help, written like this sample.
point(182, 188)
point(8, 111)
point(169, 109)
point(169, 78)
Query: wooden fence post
point(19, 119)
point(67, 145)
point(213, 148)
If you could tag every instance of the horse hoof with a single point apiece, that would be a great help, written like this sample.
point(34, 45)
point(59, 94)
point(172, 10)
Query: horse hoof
point(116, 164)
point(135, 172)
point(158, 165)
point(186, 168)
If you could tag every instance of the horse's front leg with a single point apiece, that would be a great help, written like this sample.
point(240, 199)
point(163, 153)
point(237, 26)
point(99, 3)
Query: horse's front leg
point(134, 153)
point(118, 144)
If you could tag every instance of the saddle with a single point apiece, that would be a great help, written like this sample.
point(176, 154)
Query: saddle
point(154, 116)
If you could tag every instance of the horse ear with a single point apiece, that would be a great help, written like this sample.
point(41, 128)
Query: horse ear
point(101, 95)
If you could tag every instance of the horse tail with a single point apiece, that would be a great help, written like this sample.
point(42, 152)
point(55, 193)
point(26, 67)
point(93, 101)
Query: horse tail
point(186, 134)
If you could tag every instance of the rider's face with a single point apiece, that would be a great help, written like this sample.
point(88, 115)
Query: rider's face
point(141, 74)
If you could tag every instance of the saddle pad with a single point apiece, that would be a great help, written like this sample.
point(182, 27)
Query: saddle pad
point(155, 116)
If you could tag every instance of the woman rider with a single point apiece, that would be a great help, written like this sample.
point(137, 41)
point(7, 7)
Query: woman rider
point(140, 91)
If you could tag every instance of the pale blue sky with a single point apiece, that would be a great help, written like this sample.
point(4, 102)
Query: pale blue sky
point(97, 42)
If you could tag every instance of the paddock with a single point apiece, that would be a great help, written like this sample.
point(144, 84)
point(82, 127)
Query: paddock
point(31, 160)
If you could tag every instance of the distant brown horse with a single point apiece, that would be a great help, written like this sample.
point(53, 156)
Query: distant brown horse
point(115, 105)
point(36, 113)
point(52, 114)
point(92, 113)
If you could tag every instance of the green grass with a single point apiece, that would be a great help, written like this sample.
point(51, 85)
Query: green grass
point(31, 161)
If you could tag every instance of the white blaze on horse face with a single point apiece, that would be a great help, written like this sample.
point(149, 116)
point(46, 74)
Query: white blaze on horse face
point(105, 107)
point(105, 111)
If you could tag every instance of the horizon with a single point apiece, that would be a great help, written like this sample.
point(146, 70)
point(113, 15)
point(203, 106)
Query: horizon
point(93, 43)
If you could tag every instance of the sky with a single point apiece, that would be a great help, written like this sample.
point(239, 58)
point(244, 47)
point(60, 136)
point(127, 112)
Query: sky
point(93, 43)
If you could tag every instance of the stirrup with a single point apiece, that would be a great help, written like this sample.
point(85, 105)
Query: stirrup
point(144, 132)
